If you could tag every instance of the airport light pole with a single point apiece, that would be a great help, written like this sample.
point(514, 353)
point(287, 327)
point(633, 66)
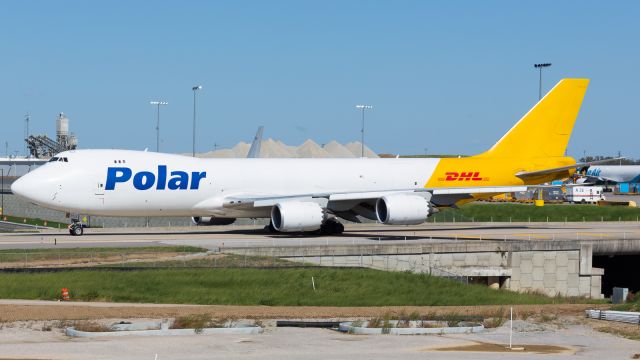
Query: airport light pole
point(27, 117)
point(158, 104)
point(2, 192)
point(540, 67)
point(363, 108)
point(195, 89)
point(620, 156)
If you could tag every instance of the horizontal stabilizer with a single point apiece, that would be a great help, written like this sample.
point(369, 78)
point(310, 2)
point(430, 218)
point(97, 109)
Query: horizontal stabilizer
point(529, 174)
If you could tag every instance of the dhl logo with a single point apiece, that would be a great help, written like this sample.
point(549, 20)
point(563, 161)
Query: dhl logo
point(463, 176)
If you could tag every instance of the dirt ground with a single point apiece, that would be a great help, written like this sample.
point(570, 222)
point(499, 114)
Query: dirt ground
point(100, 259)
point(629, 331)
point(504, 348)
point(30, 330)
point(20, 310)
point(540, 336)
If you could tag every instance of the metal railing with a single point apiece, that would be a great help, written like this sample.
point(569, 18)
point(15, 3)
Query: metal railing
point(620, 316)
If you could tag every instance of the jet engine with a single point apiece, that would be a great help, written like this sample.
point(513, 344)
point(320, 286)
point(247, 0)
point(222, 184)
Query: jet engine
point(211, 220)
point(401, 209)
point(293, 216)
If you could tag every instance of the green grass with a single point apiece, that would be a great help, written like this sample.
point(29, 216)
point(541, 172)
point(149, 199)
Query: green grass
point(334, 287)
point(631, 305)
point(37, 222)
point(528, 212)
point(19, 255)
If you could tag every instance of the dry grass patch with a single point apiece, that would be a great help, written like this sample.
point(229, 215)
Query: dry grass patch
point(629, 331)
point(90, 326)
point(198, 322)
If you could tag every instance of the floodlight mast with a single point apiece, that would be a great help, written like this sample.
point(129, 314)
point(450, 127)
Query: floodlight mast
point(541, 66)
point(363, 108)
point(158, 104)
point(194, 89)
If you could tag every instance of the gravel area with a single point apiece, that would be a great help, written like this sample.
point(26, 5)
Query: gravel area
point(33, 340)
point(34, 330)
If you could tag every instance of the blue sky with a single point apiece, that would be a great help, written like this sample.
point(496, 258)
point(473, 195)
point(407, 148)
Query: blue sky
point(450, 76)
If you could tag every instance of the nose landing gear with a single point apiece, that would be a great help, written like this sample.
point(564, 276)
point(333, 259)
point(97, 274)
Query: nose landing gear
point(75, 228)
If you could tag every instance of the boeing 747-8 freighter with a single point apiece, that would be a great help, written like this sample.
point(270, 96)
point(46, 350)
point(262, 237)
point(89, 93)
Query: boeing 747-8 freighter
point(308, 194)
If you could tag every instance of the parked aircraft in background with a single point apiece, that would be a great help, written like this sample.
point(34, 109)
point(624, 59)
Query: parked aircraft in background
point(254, 150)
point(610, 174)
point(309, 194)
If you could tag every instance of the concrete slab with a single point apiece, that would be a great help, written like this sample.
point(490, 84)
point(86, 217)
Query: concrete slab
point(584, 285)
point(572, 266)
point(214, 237)
point(22, 341)
point(550, 281)
point(562, 274)
point(538, 274)
point(526, 266)
point(549, 263)
point(538, 259)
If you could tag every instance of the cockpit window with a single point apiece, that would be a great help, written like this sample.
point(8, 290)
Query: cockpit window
point(64, 159)
point(53, 159)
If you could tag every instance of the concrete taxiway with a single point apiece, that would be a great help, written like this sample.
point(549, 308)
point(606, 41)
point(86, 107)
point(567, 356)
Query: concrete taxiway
point(355, 234)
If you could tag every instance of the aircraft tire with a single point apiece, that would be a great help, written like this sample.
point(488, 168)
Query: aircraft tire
point(269, 228)
point(331, 227)
point(76, 230)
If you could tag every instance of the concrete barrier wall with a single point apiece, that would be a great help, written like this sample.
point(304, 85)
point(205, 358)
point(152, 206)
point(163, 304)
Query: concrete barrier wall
point(562, 272)
point(550, 272)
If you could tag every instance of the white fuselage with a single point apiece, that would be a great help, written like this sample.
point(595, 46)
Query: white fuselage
point(196, 186)
point(615, 173)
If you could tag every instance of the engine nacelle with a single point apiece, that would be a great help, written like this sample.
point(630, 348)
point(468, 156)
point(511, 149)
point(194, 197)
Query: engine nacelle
point(293, 216)
point(211, 220)
point(400, 209)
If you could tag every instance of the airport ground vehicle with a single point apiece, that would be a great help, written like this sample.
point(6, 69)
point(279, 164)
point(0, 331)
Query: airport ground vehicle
point(585, 194)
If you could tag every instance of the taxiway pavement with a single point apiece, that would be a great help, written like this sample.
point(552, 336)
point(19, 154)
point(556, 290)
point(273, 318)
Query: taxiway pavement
point(254, 236)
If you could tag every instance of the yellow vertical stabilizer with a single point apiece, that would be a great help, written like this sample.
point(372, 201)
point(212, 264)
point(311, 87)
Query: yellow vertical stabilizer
point(537, 142)
point(545, 130)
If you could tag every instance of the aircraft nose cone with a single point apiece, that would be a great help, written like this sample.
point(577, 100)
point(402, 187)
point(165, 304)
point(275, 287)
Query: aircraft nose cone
point(26, 186)
point(19, 187)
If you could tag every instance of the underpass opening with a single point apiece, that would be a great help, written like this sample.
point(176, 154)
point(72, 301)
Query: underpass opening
point(619, 271)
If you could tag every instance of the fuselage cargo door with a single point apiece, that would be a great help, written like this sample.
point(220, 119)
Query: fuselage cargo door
point(99, 189)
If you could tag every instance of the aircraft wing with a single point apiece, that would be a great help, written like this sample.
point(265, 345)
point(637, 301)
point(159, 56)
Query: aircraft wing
point(258, 200)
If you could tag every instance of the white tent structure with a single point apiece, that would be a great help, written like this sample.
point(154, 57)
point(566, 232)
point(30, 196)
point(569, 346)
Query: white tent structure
point(309, 149)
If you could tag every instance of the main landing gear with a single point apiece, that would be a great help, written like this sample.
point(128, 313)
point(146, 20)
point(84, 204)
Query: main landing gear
point(331, 227)
point(75, 228)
